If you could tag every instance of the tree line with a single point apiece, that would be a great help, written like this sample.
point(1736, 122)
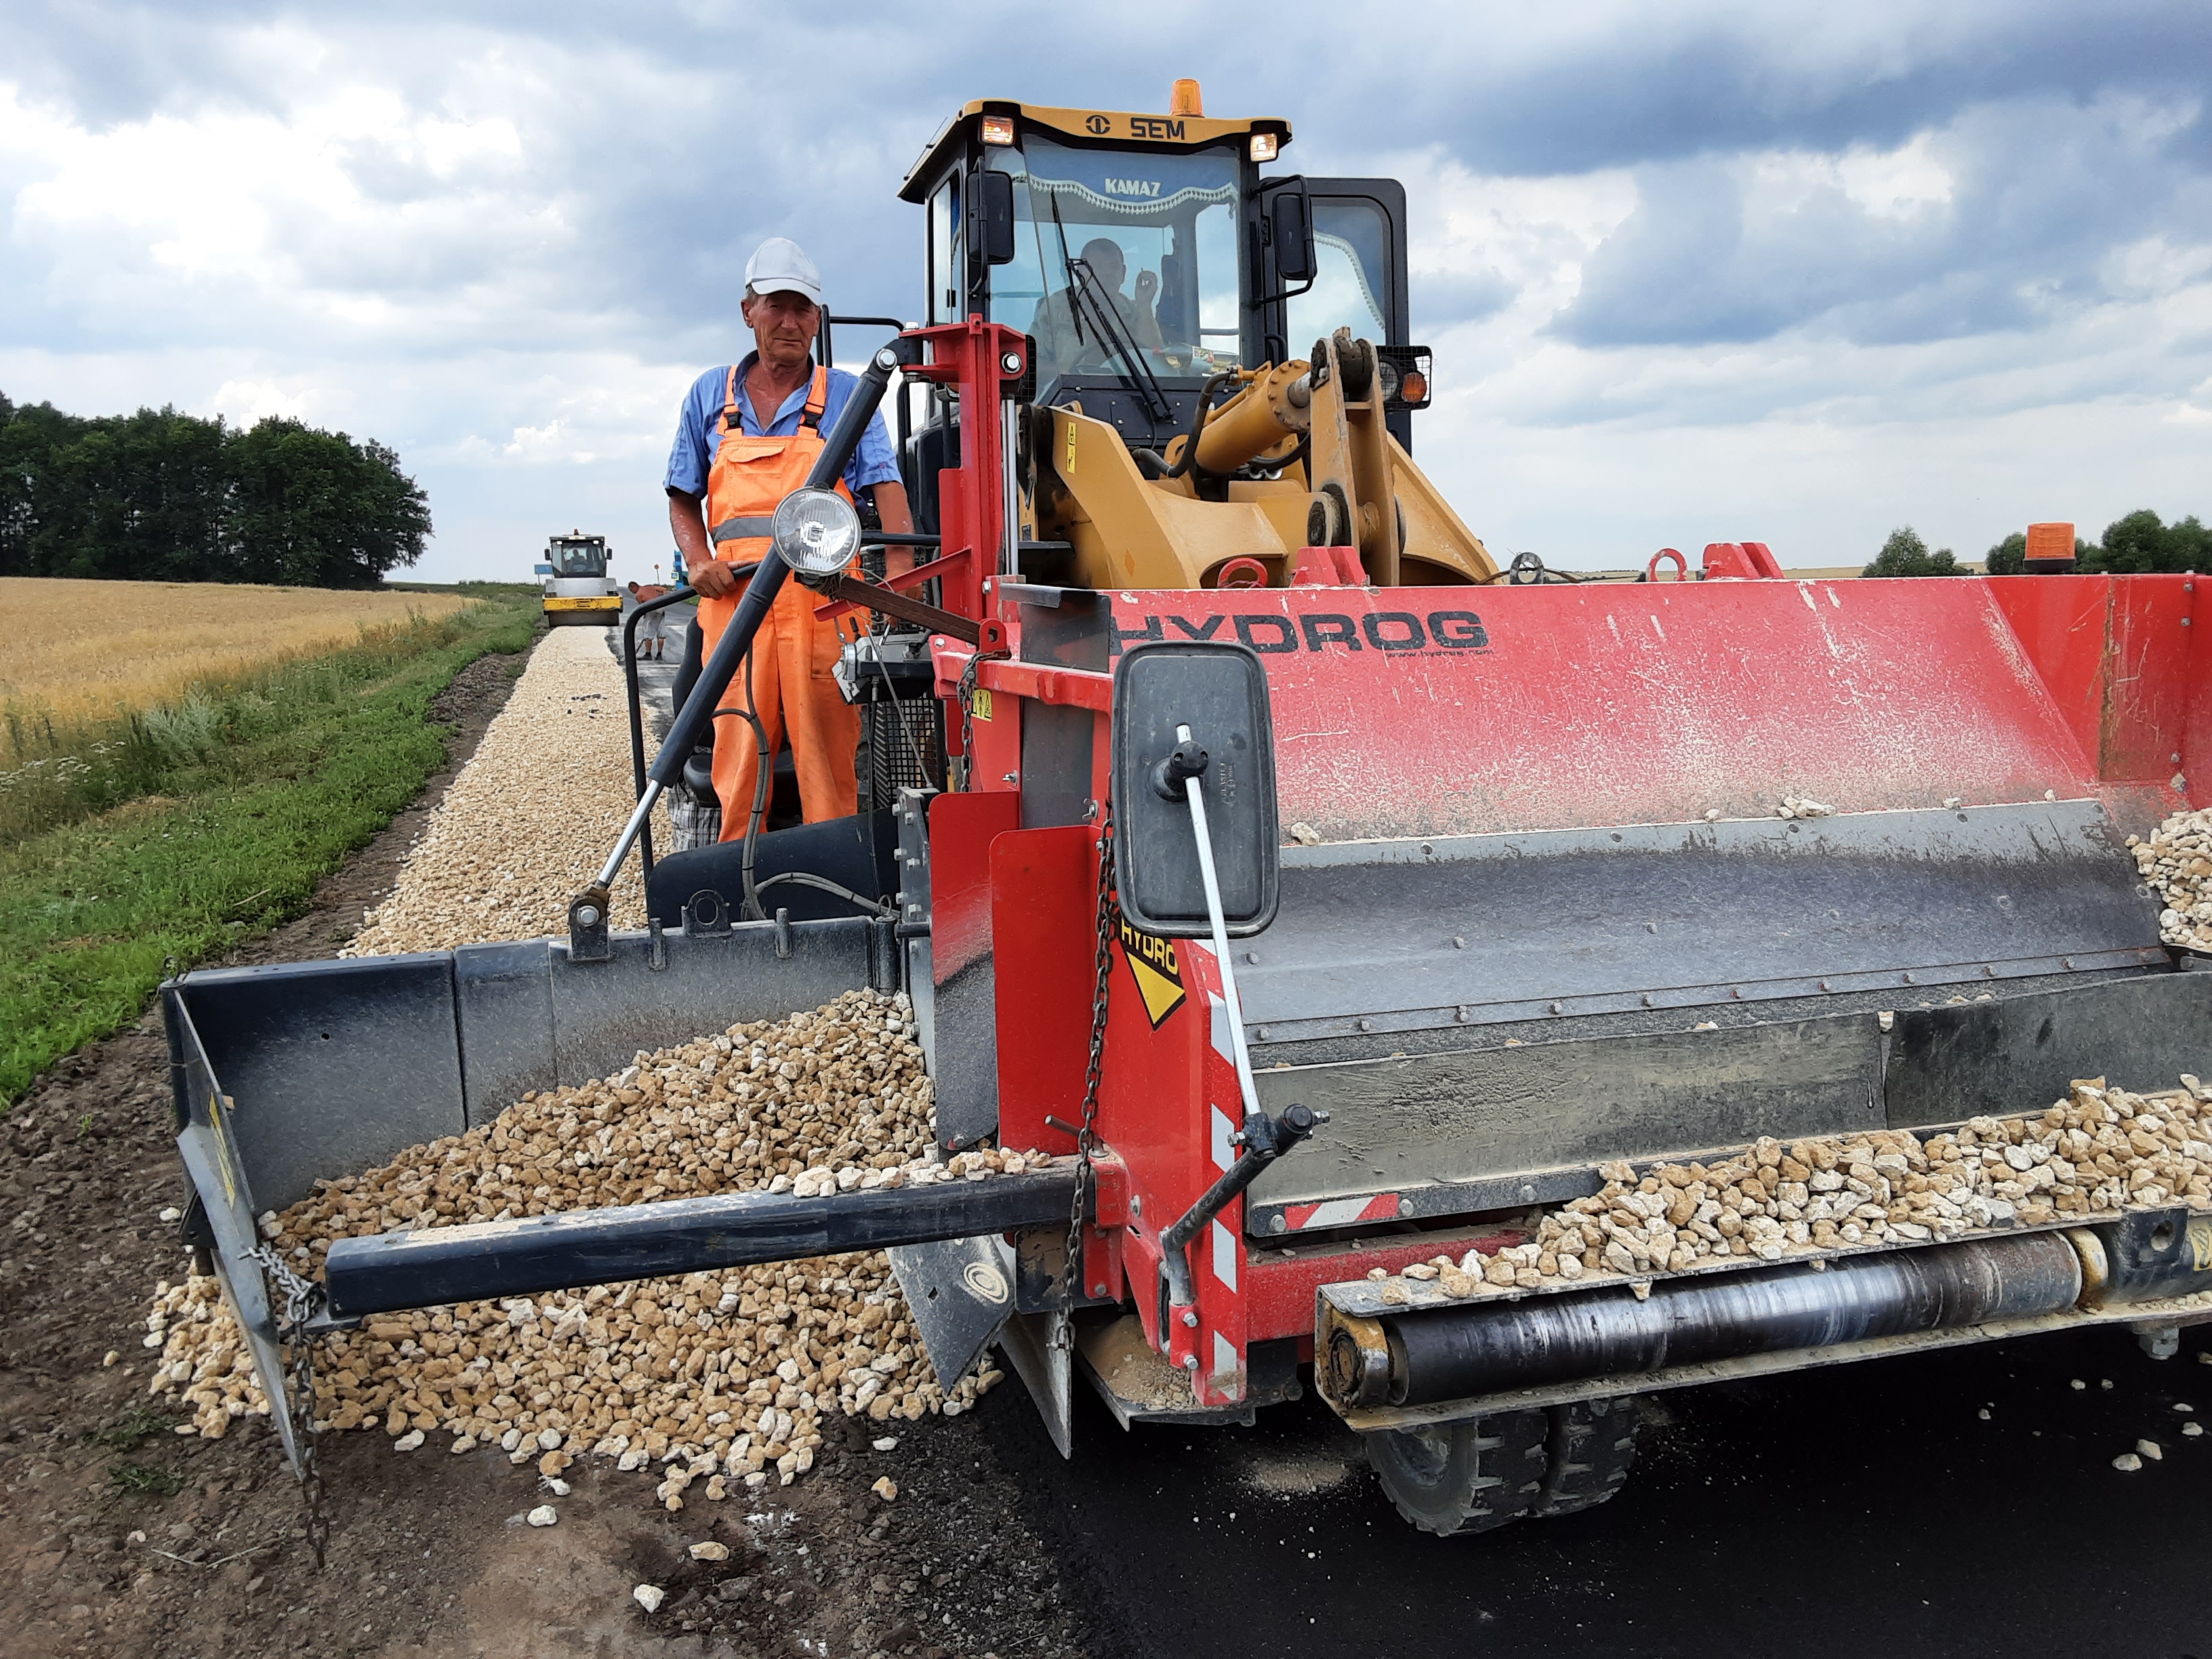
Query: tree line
point(2137, 544)
point(164, 496)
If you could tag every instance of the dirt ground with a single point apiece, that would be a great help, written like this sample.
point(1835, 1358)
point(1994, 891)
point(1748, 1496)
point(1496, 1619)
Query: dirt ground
point(124, 1538)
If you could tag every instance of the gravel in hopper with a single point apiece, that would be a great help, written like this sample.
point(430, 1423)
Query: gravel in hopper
point(716, 1378)
point(531, 818)
point(2092, 1155)
point(2176, 860)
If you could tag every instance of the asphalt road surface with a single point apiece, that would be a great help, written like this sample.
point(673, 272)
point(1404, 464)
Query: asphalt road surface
point(656, 677)
point(1957, 1503)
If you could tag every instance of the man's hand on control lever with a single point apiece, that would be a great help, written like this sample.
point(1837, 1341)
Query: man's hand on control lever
point(710, 578)
point(713, 579)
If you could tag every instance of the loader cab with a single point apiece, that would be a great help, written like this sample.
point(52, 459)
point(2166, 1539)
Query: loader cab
point(576, 557)
point(1146, 254)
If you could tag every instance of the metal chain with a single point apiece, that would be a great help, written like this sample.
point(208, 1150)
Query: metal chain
point(1109, 917)
point(967, 693)
point(301, 1297)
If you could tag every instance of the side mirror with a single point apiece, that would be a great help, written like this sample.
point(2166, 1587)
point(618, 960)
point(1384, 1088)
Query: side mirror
point(1220, 693)
point(990, 219)
point(1291, 228)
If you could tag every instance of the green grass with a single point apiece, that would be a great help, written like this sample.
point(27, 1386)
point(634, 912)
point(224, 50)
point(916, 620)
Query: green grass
point(128, 1480)
point(141, 1422)
point(215, 819)
point(126, 1476)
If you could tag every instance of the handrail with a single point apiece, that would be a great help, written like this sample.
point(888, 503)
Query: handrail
point(679, 595)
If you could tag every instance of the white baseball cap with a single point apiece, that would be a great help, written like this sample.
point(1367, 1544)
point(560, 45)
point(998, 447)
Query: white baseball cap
point(780, 265)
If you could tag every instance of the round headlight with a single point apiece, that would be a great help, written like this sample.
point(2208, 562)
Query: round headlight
point(817, 532)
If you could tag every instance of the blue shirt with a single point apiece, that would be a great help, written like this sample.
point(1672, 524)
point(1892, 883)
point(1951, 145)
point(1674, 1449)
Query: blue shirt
point(699, 428)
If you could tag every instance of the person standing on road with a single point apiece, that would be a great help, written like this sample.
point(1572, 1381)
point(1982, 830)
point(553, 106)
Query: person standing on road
point(652, 631)
point(746, 437)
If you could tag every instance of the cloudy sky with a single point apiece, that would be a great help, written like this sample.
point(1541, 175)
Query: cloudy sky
point(1795, 273)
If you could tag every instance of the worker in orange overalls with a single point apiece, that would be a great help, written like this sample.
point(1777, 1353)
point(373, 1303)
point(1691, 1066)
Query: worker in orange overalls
point(747, 436)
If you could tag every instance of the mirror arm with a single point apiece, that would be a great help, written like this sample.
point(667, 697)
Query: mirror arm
point(1188, 761)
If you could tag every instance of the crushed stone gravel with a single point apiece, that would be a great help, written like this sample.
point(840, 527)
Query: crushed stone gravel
point(714, 1381)
point(714, 1378)
point(530, 819)
point(2176, 860)
point(2097, 1152)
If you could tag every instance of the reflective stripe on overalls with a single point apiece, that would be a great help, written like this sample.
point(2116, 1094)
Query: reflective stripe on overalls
point(793, 687)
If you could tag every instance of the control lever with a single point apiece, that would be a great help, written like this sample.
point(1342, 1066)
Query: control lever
point(1265, 1139)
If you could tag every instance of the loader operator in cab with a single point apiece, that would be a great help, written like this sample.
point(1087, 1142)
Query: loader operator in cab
point(747, 436)
point(1067, 336)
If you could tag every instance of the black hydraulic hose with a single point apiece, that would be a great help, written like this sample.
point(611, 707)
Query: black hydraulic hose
point(869, 906)
point(764, 783)
point(1189, 458)
point(694, 720)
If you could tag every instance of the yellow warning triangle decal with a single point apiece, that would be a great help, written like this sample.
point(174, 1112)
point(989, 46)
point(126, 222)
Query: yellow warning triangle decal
point(1157, 974)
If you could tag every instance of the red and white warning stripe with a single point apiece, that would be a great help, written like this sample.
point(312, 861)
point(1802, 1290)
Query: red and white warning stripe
point(1340, 1213)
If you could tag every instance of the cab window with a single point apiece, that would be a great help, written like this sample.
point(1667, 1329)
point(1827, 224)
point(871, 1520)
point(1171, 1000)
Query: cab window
point(945, 252)
point(1121, 251)
point(1350, 290)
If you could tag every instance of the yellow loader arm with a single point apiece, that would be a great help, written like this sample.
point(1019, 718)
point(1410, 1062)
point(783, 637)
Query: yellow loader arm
point(1298, 458)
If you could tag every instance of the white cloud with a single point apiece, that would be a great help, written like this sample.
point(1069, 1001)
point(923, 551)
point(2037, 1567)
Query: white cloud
point(1732, 265)
point(1894, 184)
point(248, 402)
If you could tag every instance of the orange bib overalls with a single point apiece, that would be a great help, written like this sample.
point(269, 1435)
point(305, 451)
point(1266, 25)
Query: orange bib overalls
point(794, 691)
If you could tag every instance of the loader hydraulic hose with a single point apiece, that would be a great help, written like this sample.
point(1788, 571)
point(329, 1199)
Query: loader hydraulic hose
point(1189, 458)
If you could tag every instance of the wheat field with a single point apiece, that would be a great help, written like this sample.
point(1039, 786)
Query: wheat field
point(78, 650)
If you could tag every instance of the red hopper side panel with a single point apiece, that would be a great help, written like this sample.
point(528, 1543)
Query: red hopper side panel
point(1451, 711)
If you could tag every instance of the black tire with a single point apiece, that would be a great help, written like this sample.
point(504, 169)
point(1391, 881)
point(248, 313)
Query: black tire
point(1462, 1478)
point(1591, 1447)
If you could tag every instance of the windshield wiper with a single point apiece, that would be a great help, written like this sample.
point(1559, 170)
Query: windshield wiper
point(1134, 371)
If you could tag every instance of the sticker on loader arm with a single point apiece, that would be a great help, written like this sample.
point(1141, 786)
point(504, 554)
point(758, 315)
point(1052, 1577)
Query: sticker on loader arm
point(1158, 975)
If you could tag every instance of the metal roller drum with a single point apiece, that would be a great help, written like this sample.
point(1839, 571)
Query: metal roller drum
point(1460, 1353)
